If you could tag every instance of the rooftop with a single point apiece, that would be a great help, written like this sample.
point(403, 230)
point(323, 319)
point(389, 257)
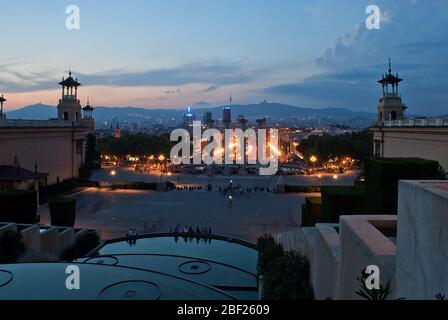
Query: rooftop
point(69, 82)
point(13, 173)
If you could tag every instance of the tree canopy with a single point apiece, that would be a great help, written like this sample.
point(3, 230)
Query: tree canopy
point(140, 144)
point(358, 145)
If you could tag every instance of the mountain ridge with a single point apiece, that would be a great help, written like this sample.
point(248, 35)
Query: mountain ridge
point(277, 111)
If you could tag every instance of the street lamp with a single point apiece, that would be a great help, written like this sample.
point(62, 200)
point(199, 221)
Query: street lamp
point(313, 160)
point(113, 173)
point(320, 179)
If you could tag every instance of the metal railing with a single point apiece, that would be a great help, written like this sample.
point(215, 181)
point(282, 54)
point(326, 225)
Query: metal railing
point(19, 123)
point(423, 122)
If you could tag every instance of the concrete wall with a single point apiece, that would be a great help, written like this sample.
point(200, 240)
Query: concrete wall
point(326, 262)
point(426, 143)
point(422, 245)
point(53, 149)
point(361, 245)
point(309, 248)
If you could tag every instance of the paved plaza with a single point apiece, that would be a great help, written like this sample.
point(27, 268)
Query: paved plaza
point(249, 217)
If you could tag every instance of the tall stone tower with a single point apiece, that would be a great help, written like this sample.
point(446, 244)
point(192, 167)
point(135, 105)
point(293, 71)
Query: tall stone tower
point(2, 100)
point(69, 107)
point(88, 119)
point(390, 106)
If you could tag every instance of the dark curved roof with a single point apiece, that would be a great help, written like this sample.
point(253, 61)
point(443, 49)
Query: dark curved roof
point(88, 108)
point(69, 82)
point(12, 173)
point(390, 79)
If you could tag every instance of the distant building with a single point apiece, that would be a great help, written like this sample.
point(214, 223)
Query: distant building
point(242, 122)
point(227, 115)
point(117, 132)
point(207, 119)
point(262, 123)
point(55, 146)
point(396, 136)
point(188, 119)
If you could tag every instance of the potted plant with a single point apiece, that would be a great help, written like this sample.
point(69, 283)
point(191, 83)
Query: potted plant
point(63, 212)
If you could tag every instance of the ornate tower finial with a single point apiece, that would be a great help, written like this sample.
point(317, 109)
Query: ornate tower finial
point(390, 66)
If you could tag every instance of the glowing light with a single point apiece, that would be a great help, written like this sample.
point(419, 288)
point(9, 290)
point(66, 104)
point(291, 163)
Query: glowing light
point(274, 149)
point(170, 174)
point(161, 157)
point(319, 176)
point(313, 159)
point(113, 173)
point(335, 177)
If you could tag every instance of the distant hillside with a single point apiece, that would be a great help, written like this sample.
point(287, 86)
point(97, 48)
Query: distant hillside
point(36, 111)
point(273, 111)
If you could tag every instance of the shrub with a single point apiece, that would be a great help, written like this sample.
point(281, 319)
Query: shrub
point(18, 207)
point(286, 276)
point(11, 246)
point(81, 246)
point(63, 212)
point(383, 174)
point(341, 200)
point(312, 211)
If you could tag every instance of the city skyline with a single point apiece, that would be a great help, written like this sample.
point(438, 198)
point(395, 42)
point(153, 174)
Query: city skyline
point(175, 54)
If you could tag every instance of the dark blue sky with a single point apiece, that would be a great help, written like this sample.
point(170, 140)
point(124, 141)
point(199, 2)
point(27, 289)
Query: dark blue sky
point(175, 53)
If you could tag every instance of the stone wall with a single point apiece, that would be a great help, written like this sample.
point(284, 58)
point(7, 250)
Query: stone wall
point(326, 262)
point(362, 244)
point(57, 151)
point(426, 143)
point(422, 245)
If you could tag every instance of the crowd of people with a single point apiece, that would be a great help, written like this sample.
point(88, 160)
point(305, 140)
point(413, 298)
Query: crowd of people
point(190, 230)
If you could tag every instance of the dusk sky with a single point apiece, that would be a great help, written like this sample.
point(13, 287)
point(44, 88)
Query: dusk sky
point(174, 53)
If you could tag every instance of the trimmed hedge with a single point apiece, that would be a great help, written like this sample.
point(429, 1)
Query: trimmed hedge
point(302, 189)
point(312, 211)
point(63, 212)
point(18, 207)
point(383, 174)
point(134, 185)
point(342, 200)
point(47, 192)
